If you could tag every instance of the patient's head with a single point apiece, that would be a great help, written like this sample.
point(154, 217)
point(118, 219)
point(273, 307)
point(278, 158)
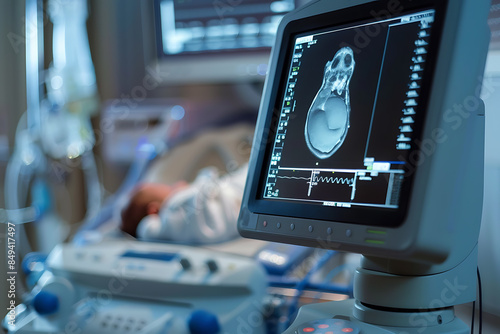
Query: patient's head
point(145, 199)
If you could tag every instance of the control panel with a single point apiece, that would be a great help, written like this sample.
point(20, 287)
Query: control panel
point(131, 286)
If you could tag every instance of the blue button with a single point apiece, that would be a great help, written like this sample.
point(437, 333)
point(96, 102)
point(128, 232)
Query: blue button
point(203, 322)
point(46, 303)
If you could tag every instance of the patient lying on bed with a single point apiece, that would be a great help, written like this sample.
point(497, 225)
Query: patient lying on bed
point(204, 211)
point(204, 208)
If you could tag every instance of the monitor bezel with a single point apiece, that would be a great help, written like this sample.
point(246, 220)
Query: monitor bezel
point(370, 216)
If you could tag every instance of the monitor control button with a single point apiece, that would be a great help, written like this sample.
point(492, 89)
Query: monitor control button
point(348, 233)
point(185, 263)
point(212, 266)
point(329, 230)
point(311, 228)
point(292, 226)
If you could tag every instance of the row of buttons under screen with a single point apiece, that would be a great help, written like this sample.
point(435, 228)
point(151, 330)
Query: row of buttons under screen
point(329, 230)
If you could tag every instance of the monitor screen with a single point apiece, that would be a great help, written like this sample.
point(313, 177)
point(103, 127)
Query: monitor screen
point(199, 40)
point(203, 26)
point(494, 22)
point(348, 115)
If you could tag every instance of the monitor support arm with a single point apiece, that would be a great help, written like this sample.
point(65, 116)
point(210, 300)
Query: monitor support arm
point(418, 304)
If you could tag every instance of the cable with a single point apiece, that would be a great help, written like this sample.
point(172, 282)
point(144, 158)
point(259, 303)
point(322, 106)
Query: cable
point(21, 168)
point(473, 317)
point(18, 216)
point(94, 191)
point(305, 282)
point(291, 283)
point(11, 193)
point(146, 152)
point(25, 161)
point(144, 156)
point(480, 301)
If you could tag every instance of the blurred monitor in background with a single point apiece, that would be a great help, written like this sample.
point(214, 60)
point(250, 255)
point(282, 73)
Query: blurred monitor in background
point(494, 22)
point(213, 41)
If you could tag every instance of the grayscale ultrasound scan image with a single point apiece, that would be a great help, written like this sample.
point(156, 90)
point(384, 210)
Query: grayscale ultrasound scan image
point(328, 117)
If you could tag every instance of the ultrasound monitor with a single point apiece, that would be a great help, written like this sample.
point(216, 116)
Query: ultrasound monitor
point(370, 139)
point(360, 109)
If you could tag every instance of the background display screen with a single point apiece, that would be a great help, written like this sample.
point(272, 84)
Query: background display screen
point(200, 26)
point(349, 114)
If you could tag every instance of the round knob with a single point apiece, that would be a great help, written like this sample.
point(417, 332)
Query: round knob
point(203, 322)
point(46, 303)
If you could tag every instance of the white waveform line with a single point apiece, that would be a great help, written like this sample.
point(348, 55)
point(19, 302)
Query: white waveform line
point(315, 179)
point(331, 179)
point(293, 178)
point(323, 179)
